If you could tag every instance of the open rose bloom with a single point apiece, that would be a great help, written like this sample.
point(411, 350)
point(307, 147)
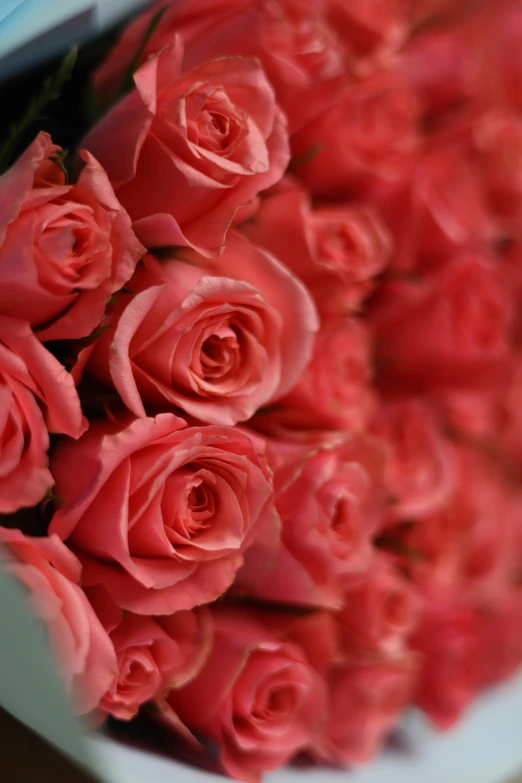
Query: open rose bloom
point(261, 373)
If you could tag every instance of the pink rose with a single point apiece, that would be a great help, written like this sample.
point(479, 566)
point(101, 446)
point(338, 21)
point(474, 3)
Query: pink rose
point(497, 140)
point(64, 249)
point(160, 513)
point(337, 251)
point(334, 391)
point(420, 470)
point(258, 699)
point(213, 136)
point(434, 206)
point(447, 640)
point(37, 396)
point(468, 546)
point(219, 347)
point(367, 700)
point(368, 690)
point(373, 29)
point(52, 574)
point(330, 501)
point(448, 329)
point(500, 636)
point(154, 654)
point(381, 609)
point(365, 134)
point(293, 40)
point(438, 65)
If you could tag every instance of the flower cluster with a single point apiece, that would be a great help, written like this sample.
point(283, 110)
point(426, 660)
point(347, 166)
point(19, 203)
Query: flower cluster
point(272, 325)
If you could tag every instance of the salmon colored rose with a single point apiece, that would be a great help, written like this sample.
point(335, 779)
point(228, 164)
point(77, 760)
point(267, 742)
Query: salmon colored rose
point(186, 152)
point(365, 134)
point(64, 249)
point(159, 513)
point(381, 609)
point(330, 501)
point(218, 347)
point(334, 391)
point(337, 251)
point(51, 574)
point(449, 329)
point(420, 470)
point(372, 29)
point(297, 47)
point(367, 698)
point(258, 699)
point(448, 642)
point(434, 206)
point(154, 654)
point(37, 396)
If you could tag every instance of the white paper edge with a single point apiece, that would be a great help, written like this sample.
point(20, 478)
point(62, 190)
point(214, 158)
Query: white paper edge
point(486, 747)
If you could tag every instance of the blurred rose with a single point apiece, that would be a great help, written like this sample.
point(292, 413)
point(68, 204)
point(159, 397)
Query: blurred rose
point(296, 46)
point(420, 470)
point(367, 699)
point(365, 134)
point(52, 575)
point(37, 396)
point(258, 699)
point(437, 65)
point(155, 655)
point(497, 141)
point(186, 152)
point(334, 391)
point(448, 641)
point(218, 347)
point(160, 513)
point(337, 251)
point(373, 29)
point(64, 249)
point(434, 207)
point(467, 546)
point(381, 609)
point(330, 501)
point(448, 329)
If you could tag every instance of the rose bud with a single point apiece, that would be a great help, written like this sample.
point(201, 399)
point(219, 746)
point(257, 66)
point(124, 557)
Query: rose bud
point(159, 513)
point(51, 575)
point(186, 152)
point(64, 249)
point(420, 469)
point(337, 251)
point(37, 396)
point(449, 329)
point(330, 499)
point(258, 700)
point(217, 342)
point(365, 134)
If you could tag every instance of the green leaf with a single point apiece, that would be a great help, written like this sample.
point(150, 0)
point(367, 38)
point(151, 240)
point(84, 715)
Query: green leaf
point(51, 91)
point(305, 157)
point(128, 79)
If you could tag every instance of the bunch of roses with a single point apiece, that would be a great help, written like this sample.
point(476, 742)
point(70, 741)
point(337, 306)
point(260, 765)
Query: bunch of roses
point(285, 288)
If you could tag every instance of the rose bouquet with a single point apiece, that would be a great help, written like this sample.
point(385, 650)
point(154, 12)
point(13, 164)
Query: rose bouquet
point(261, 371)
